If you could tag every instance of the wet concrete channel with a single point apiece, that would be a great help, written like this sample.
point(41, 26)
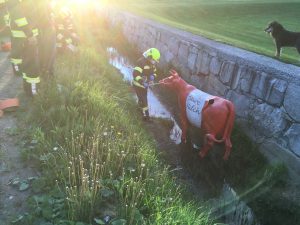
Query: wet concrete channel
point(227, 204)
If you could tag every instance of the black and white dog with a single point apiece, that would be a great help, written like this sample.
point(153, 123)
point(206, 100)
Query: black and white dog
point(283, 37)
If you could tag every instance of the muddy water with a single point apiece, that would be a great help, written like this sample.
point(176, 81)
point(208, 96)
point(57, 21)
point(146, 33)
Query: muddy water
point(226, 205)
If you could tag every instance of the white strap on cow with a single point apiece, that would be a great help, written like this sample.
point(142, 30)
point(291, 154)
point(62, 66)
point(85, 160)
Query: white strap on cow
point(194, 104)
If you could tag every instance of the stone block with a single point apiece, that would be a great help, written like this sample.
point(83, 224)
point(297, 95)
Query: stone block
point(157, 37)
point(216, 87)
point(268, 121)
point(293, 136)
point(195, 81)
point(237, 77)
point(227, 71)
point(183, 52)
point(192, 60)
point(242, 103)
point(276, 92)
point(165, 37)
point(247, 78)
point(202, 63)
point(168, 56)
point(292, 101)
point(173, 45)
point(261, 85)
point(215, 66)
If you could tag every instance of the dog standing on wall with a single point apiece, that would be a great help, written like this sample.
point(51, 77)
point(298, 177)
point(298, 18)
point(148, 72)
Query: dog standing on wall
point(213, 115)
point(283, 37)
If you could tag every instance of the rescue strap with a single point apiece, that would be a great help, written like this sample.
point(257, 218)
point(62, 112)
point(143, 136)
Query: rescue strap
point(8, 104)
point(154, 84)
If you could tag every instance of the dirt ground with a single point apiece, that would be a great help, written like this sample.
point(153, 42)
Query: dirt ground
point(12, 200)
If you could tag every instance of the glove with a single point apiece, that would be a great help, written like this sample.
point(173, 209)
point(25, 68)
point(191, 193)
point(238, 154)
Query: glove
point(146, 85)
point(152, 77)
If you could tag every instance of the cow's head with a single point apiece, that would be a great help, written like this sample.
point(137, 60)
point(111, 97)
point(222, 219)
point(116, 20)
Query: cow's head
point(172, 81)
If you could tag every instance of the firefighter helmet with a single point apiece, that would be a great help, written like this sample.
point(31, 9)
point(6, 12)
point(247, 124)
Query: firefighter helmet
point(153, 53)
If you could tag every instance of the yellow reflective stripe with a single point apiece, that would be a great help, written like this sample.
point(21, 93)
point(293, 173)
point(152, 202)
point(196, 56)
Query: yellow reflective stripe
point(18, 34)
point(35, 32)
point(21, 22)
point(6, 18)
point(31, 80)
point(69, 41)
point(139, 69)
point(138, 78)
point(147, 67)
point(2, 1)
point(145, 109)
point(137, 84)
point(16, 61)
point(60, 36)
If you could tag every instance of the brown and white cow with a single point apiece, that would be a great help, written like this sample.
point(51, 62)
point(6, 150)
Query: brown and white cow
point(214, 115)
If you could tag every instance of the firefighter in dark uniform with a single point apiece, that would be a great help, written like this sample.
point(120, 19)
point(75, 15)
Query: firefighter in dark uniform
point(67, 38)
point(24, 53)
point(143, 75)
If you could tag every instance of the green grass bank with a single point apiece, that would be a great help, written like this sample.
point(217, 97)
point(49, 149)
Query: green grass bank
point(235, 22)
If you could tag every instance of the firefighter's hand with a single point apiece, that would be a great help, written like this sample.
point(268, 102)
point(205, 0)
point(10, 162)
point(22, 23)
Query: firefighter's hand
point(151, 78)
point(146, 85)
point(32, 40)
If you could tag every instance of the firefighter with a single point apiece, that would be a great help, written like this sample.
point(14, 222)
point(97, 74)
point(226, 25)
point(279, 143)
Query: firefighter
point(144, 75)
point(24, 53)
point(5, 18)
point(67, 38)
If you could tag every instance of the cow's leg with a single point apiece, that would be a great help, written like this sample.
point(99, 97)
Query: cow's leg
point(209, 143)
point(184, 127)
point(183, 118)
point(228, 147)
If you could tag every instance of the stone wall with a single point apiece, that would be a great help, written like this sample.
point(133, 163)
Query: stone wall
point(265, 92)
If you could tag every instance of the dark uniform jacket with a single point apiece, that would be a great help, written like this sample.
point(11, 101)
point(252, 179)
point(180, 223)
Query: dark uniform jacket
point(142, 72)
point(22, 15)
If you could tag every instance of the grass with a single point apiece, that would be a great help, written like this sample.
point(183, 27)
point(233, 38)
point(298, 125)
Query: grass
point(235, 22)
point(96, 158)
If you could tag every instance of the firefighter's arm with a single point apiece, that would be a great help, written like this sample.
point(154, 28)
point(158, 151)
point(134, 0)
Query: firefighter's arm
point(153, 76)
point(26, 24)
point(137, 77)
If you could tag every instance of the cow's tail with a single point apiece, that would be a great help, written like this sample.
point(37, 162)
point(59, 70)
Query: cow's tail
point(229, 123)
point(228, 130)
point(228, 126)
